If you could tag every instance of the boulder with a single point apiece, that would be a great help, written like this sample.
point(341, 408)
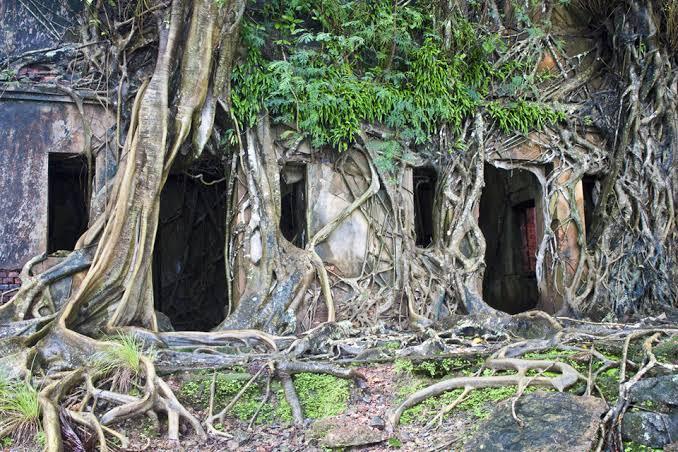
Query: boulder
point(653, 420)
point(649, 428)
point(552, 421)
point(663, 390)
point(339, 432)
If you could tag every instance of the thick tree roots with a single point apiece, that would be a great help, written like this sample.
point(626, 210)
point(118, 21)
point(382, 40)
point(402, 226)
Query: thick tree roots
point(568, 376)
point(91, 401)
point(624, 266)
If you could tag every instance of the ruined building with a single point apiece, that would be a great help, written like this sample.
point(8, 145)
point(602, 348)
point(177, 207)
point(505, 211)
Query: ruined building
point(48, 176)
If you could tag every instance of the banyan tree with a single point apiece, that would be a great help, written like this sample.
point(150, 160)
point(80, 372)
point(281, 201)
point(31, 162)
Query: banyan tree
point(395, 164)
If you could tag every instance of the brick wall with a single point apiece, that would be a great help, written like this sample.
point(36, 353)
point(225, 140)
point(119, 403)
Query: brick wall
point(9, 279)
point(528, 229)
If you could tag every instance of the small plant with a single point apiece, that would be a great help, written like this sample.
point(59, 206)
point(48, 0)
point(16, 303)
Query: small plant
point(395, 443)
point(403, 366)
point(122, 361)
point(19, 411)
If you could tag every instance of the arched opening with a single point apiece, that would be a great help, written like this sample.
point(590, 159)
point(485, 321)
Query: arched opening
point(511, 221)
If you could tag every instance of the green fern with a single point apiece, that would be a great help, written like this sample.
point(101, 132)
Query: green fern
point(325, 67)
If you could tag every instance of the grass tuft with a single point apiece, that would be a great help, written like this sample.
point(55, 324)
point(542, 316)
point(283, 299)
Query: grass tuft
point(19, 411)
point(122, 361)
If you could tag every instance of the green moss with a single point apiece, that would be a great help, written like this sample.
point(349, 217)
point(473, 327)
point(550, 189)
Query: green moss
point(392, 345)
point(437, 368)
point(562, 356)
point(394, 443)
point(651, 405)
point(321, 395)
point(411, 386)
point(479, 403)
point(403, 366)
point(549, 354)
point(608, 382)
point(196, 392)
point(630, 446)
point(667, 351)
point(477, 400)
point(535, 372)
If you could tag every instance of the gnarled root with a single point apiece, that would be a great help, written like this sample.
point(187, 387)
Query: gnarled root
point(568, 376)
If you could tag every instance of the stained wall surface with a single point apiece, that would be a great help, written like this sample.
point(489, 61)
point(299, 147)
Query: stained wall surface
point(26, 26)
point(33, 123)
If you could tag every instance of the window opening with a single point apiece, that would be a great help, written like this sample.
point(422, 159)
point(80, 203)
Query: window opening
point(590, 195)
point(67, 203)
point(424, 185)
point(293, 204)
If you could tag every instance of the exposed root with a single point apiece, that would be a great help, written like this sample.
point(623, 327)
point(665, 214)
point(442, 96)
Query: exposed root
point(612, 422)
point(568, 376)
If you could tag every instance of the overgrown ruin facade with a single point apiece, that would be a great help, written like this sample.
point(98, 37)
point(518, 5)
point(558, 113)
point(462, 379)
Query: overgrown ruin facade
point(46, 209)
point(211, 182)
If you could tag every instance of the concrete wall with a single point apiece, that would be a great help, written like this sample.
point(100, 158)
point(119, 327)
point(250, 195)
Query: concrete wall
point(33, 123)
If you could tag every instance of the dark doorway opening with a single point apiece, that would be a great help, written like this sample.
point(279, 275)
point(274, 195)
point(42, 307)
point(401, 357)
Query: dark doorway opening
point(511, 223)
point(67, 217)
point(424, 186)
point(590, 197)
point(293, 204)
point(188, 264)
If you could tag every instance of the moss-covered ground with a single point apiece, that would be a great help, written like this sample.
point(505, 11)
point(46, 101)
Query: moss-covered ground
point(320, 395)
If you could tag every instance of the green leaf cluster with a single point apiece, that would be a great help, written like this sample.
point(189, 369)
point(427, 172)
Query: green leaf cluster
point(325, 67)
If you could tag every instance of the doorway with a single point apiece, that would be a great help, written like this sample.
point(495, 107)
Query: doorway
point(510, 219)
point(424, 181)
point(189, 271)
point(68, 184)
point(293, 204)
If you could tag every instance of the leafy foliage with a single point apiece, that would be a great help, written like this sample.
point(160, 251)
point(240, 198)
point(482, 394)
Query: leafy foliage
point(325, 67)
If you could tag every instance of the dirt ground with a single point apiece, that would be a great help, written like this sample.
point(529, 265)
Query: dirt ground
point(366, 407)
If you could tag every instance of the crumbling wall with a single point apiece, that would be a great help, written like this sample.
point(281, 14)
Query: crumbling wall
point(9, 280)
point(36, 121)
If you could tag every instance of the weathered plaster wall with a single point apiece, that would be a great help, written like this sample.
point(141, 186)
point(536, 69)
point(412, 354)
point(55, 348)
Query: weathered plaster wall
point(28, 26)
point(34, 123)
